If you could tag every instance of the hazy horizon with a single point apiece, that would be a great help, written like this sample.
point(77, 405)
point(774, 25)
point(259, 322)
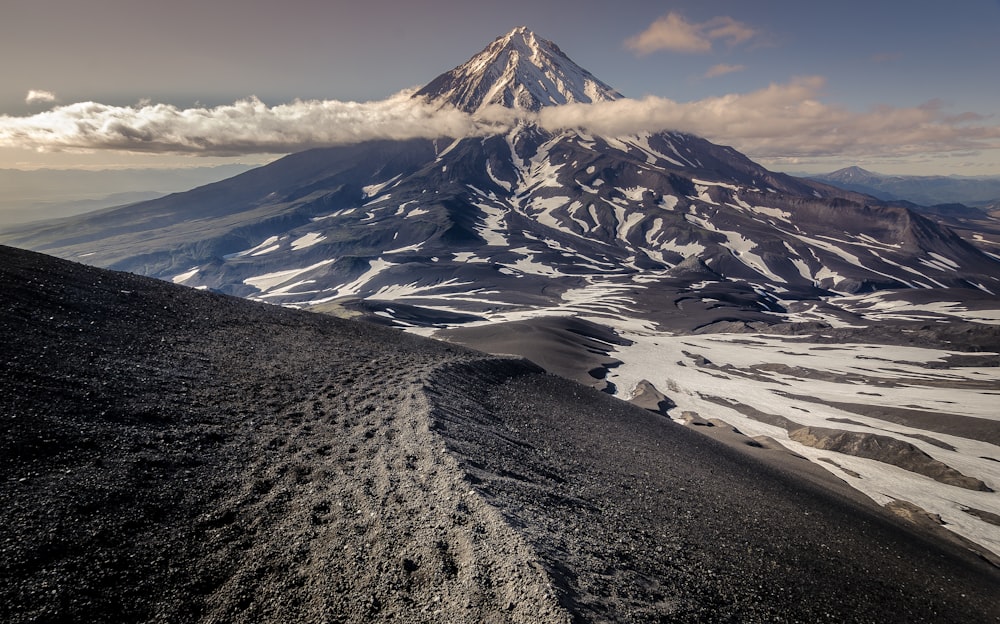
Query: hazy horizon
point(41, 194)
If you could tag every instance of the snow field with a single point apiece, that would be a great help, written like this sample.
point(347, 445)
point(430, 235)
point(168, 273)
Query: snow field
point(661, 359)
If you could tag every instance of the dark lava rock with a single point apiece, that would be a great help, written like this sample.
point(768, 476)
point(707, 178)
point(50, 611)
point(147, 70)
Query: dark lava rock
point(885, 449)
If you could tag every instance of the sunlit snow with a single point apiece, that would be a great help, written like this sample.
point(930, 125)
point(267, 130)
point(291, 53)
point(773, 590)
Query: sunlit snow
point(308, 240)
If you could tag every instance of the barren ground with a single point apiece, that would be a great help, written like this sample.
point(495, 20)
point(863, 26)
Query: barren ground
point(176, 456)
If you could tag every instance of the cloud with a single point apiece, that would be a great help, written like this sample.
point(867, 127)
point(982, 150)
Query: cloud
point(729, 30)
point(672, 32)
point(246, 126)
point(781, 121)
point(722, 69)
point(787, 121)
point(37, 96)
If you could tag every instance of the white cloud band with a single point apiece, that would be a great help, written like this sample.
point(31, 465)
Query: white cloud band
point(246, 126)
point(780, 121)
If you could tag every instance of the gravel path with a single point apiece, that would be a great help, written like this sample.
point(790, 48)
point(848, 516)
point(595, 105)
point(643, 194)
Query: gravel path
point(175, 456)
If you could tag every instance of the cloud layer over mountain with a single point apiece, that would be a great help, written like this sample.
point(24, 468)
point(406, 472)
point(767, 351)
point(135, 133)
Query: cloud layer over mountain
point(246, 126)
point(779, 121)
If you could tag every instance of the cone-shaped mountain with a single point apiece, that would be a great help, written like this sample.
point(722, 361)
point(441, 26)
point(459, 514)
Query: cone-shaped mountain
point(524, 217)
point(519, 70)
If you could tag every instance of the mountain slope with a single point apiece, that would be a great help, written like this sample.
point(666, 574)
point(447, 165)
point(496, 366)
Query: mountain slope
point(520, 209)
point(960, 204)
point(173, 455)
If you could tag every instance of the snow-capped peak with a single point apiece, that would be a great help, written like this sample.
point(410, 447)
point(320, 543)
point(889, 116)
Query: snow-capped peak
point(521, 71)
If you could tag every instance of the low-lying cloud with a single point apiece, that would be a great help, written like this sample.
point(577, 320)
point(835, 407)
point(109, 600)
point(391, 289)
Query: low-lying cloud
point(779, 121)
point(244, 127)
point(785, 121)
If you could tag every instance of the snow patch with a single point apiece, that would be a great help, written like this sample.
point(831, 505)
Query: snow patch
point(374, 189)
point(264, 247)
point(268, 281)
point(308, 240)
point(183, 277)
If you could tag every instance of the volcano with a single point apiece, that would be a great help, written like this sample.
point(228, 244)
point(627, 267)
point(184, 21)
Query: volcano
point(517, 218)
point(659, 263)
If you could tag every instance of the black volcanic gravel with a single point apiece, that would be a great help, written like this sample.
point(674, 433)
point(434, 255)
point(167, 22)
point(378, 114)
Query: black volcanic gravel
point(176, 456)
point(642, 520)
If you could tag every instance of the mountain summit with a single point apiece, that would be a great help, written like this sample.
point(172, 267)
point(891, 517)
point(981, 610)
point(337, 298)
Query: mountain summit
point(521, 71)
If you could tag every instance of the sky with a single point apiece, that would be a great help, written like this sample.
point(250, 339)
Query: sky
point(901, 87)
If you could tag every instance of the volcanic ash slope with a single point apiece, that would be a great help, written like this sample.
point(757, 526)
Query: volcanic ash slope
point(176, 456)
point(171, 455)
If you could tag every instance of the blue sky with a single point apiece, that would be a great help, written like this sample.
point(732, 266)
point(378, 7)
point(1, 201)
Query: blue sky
point(898, 87)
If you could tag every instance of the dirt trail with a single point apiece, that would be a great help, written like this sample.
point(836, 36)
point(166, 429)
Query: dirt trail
point(369, 516)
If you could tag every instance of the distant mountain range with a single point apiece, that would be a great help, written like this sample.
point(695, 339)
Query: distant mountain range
point(979, 192)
